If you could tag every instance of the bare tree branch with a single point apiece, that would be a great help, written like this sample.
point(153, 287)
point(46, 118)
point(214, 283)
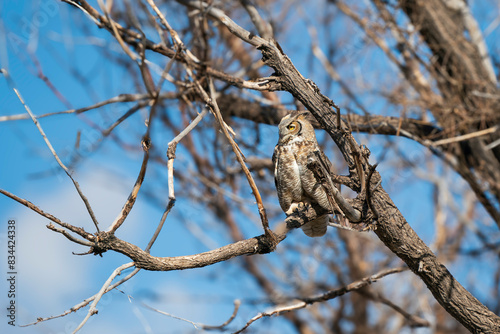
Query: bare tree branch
point(98, 296)
point(80, 231)
point(49, 145)
point(86, 301)
point(300, 303)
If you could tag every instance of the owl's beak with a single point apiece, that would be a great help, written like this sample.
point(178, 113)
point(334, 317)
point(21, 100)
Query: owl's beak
point(283, 137)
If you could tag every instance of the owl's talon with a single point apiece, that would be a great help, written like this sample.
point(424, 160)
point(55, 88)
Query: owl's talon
point(296, 208)
point(292, 209)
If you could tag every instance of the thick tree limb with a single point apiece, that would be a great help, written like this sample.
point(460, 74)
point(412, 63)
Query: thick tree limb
point(238, 106)
point(144, 260)
point(392, 227)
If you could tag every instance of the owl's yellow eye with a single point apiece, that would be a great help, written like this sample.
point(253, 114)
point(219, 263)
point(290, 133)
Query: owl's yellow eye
point(292, 127)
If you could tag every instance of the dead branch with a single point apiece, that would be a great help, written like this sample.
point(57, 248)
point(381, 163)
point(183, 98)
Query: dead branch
point(172, 146)
point(300, 303)
point(86, 301)
point(78, 230)
point(129, 204)
point(98, 296)
point(49, 145)
point(317, 164)
point(143, 260)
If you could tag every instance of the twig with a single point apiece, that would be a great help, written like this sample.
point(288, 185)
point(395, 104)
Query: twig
point(353, 286)
point(492, 145)
point(197, 325)
point(122, 118)
point(225, 20)
point(127, 207)
point(170, 165)
point(318, 167)
point(69, 236)
point(413, 320)
point(169, 207)
point(175, 36)
point(356, 154)
point(164, 75)
point(237, 304)
point(146, 145)
point(466, 136)
point(347, 228)
point(371, 33)
point(49, 145)
point(98, 296)
point(116, 99)
point(300, 303)
point(297, 304)
point(468, 175)
point(172, 145)
point(369, 191)
point(147, 79)
point(256, 245)
point(80, 231)
point(95, 20)
point(45, 79)
point(117, 35)
point(86, 301)
point(261, 84)
point(264, 28)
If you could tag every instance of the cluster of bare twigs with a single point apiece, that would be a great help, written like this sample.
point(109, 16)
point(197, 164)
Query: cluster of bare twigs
point(212, 105)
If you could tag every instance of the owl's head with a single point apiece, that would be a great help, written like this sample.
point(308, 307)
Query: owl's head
point(295, 126)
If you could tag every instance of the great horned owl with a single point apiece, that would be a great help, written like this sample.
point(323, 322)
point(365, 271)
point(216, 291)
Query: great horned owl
point(295, 182)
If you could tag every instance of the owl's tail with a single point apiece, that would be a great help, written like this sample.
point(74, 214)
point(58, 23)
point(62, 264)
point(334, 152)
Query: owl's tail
point(316, 228)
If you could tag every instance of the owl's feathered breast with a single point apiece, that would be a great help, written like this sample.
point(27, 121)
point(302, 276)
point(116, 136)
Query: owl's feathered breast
point(294, 181)
point(287, 176)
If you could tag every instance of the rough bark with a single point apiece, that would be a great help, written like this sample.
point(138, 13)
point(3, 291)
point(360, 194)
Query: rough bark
point(238, 106)
point(391, 228)
point(144, 260)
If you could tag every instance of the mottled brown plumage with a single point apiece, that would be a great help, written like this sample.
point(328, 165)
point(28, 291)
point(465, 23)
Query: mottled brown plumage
point(295, 182)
